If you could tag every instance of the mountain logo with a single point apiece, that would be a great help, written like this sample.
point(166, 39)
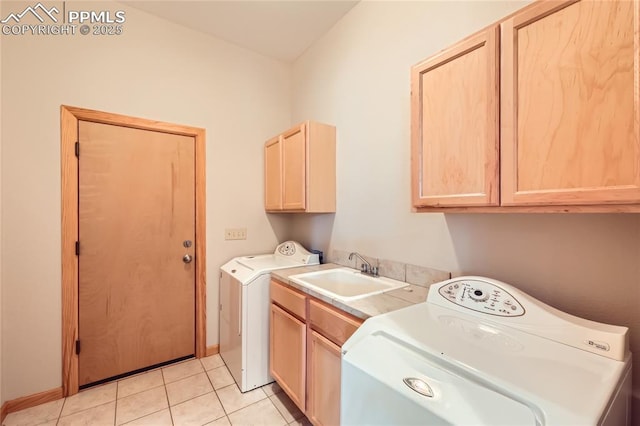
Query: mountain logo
point(43, 11)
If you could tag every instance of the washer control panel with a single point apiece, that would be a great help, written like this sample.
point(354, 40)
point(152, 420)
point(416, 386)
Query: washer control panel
point(293, 251)
point(495, 302)
point(482, 296)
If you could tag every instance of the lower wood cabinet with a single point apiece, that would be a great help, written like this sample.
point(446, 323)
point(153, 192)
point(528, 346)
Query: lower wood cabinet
point(324, 381)
point(305, 340)
point(287, 351)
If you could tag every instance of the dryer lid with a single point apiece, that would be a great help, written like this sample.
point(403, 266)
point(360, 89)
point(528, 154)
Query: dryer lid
point(418, 388)
point(568, 385)
point(267, 262)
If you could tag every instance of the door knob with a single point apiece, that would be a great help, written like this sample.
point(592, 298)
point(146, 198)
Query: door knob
point(187, 258)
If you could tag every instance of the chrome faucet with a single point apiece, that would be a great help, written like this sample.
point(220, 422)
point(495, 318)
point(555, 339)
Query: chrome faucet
point(365, 267)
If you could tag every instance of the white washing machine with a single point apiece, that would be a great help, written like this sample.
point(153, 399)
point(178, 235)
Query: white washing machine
point(244, 311)
point(481, 352)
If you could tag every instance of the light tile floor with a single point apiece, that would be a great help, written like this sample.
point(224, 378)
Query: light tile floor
point(193, 392)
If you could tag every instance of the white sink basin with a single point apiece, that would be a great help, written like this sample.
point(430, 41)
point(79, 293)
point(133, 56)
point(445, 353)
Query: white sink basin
point(345, 283)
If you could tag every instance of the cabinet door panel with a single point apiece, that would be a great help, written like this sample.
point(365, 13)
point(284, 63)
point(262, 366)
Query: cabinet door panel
point(455, 125)
point(287, 349)
point(324, 381)
point(272, 175)
point(570, 104)
point(294, 167)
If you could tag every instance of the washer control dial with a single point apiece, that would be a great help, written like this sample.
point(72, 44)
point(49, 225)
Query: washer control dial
point(287, 248)
point(478, 295)
point(482, 296)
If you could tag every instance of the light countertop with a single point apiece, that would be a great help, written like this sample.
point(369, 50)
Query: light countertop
point(362, 308)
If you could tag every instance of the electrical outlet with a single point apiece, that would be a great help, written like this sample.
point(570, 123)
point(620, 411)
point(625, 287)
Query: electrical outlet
point(235, 234)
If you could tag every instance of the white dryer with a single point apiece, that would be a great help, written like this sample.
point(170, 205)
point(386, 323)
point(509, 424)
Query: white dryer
point(481, 352)
point(244, 311)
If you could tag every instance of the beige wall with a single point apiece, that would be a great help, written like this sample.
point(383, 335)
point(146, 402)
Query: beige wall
point(357, 77)
point(1, 393)
point(154, 70)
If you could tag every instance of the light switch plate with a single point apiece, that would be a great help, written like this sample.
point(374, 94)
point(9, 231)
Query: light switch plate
point(235, 234)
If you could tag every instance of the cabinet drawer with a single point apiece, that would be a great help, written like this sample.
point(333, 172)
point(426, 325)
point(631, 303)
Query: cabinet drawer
point(332, 323)
point(290, 299)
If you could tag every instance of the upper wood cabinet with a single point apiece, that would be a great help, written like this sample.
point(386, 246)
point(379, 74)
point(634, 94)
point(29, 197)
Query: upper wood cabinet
point(569, 108)
point(273, 174)
point(294, 150)
point(454, 125)
point(300, 169)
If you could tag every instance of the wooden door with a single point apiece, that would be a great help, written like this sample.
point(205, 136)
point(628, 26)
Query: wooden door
point(570, 128)
point(324, 381)
point(454, 125)
point(273, 174)
point(294, 154)
point(136, 208)
point(287, 349)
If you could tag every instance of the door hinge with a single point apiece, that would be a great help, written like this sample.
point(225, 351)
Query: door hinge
point(77, 248)
point(77, 347)
point(77, 149)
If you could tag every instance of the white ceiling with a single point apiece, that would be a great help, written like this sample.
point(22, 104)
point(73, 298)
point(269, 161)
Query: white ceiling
point(278, 29)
